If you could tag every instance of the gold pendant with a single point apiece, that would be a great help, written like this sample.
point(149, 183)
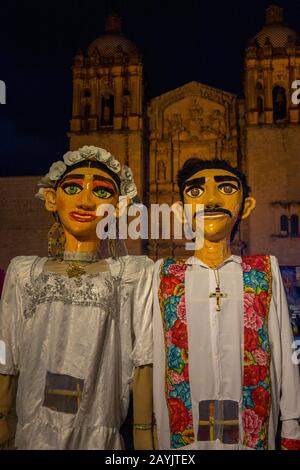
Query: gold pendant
point(75, 270)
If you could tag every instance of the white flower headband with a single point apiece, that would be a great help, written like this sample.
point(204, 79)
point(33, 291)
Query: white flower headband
point(57, 169)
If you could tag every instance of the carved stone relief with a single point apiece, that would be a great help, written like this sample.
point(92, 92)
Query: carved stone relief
point(194, 120)
point(161, 171)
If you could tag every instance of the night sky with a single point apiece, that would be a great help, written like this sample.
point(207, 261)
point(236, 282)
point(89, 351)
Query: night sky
point(180, 41)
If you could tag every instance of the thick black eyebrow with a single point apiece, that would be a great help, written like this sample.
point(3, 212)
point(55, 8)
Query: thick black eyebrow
point(218, 179)
point(199, 181)
point(222, 178)
point(70, 177)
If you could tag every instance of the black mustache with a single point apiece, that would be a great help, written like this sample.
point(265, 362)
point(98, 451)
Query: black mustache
point(216, 211)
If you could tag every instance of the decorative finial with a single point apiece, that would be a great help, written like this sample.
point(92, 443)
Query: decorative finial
point(274, 14)
point(113, 24)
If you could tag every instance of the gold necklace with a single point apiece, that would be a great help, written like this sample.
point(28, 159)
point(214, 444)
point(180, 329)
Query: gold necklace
point(75, 269)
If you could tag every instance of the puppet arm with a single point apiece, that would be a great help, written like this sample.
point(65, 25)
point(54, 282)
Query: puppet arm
point(6, 383)
point(142, 408)
point(290, 380)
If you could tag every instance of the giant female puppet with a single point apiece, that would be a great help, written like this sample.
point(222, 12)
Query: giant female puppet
point(73, 326)
point(223, 369)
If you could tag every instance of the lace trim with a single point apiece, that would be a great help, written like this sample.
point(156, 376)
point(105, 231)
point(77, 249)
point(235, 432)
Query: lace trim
point(45, 287)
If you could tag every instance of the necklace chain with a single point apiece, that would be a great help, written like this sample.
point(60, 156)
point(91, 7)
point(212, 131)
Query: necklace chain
point(217, 275)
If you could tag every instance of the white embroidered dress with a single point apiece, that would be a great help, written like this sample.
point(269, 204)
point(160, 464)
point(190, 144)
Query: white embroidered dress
point(90, 330)
point(216, 350)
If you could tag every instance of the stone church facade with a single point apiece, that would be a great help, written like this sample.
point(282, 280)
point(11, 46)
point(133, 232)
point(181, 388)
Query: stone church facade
point(259, 133)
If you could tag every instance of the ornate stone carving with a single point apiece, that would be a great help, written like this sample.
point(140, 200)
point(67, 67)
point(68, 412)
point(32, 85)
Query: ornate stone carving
point(216, 123)
point(161, 171)
point(173, 125)
point(195, 123)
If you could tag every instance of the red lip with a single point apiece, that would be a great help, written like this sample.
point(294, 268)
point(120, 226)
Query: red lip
point(82, 216)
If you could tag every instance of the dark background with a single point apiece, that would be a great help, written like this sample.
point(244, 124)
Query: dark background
point(180, 41)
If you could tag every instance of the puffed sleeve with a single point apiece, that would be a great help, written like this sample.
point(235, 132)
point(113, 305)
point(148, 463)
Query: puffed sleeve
point(290, 380)
point(142, 353)
point(10, 309)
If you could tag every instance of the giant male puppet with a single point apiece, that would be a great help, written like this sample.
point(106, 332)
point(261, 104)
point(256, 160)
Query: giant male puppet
point(73, 326)
point(223, 370)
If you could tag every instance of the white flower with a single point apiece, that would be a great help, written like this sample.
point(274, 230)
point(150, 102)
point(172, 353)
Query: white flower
point(71, 158)
point(89, 151)
point(103, 155)
point(113, 164)
point(128, 189)
point(57, 169)
point(45, 181)
point(40, 194)
point(126, 173)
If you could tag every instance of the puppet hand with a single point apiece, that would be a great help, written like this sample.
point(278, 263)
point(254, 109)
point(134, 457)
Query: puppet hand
point(4, 433)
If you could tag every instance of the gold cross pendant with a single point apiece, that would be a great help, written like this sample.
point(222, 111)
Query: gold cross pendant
point(218, 295)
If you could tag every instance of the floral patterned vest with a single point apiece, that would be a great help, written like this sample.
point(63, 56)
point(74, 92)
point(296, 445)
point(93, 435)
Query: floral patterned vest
point(256, 387)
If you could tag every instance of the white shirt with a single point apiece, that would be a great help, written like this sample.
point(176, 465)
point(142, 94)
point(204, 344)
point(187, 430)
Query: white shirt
point(216, 350)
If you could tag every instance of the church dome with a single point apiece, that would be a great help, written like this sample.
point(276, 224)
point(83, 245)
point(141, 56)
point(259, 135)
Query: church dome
point(275, 32)
point(112, 43)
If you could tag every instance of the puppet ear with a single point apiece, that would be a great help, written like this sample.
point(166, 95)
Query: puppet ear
point(50, 199)
point(249, 206)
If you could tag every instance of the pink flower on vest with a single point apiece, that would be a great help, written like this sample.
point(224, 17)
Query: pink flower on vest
point(177, 270)
point(249, 301)
point(176, 378)
point(261, 357)
point(252, 424)
point(169, 336)
point(251, 319)
point(181, 311)
point(246, 267)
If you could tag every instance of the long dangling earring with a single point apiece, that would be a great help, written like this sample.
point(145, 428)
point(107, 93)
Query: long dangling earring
point(112, 248)
point(56, 240)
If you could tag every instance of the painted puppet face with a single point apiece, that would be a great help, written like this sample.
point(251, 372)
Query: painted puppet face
point(221, 193)
point(77, 198)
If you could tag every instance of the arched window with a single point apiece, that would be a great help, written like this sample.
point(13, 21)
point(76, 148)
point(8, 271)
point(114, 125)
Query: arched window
point(279, 103)
point(260, 105)
point(259, 86)
point(284, 225)
point(294, 226)
point(86, 115)
point(107, 110)
point(87, 93)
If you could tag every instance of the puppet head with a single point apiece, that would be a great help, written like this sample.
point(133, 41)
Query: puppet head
point(224, 192)
point(74, 189)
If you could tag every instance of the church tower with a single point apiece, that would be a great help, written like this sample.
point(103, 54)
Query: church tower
point(108, 98)
point(272, 64)
point(108, 101)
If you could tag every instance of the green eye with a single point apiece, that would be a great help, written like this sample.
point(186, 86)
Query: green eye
point(72, 189)
point(102, 193)
point(194, 191)
point(227, 188)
